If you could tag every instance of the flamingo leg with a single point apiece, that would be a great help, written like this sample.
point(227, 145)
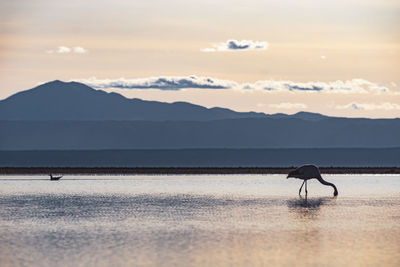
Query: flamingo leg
point(306, 187)
point(301, 187)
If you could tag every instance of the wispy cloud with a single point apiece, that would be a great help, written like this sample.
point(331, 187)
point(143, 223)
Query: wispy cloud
point(350, 86)
point(287, 105)
point(63, 50)
point(79, 50)
point(235, 45)
point(370, 106)
point(161, 83)
point(66, 50)
point(195, 82)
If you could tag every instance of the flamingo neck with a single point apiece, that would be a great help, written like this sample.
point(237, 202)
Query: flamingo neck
point(322, 181)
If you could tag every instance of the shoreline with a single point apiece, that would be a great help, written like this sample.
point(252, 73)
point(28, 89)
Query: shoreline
point(186, 170)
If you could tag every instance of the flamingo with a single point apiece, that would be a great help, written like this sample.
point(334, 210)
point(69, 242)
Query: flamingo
point(52, 178)
point(307, 172)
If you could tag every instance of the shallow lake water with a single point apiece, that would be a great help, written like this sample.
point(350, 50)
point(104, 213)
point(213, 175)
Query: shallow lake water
point(203, 220)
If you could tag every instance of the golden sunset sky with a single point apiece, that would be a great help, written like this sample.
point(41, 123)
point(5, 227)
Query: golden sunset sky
point(339, 58)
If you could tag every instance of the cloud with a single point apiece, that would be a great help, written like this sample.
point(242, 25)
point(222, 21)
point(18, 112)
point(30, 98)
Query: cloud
point(287, 105)
point(63, 50)
point(79, 50)
point(235, 45)
point(370, 106)
point(66, 50)
point(194, 82)
point(161, 83)
point(351, 86)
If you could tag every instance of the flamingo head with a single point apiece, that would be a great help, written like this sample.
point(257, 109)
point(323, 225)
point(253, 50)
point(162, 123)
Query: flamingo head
point(292, 174)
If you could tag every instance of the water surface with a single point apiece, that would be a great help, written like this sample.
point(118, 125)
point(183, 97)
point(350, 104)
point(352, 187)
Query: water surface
point(248, 220)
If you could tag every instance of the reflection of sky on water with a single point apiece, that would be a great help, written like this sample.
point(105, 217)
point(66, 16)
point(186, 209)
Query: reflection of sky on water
point(199, 220)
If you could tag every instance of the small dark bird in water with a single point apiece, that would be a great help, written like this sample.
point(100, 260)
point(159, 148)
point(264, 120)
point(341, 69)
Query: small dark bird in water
point(54, 178)
point(307, 172)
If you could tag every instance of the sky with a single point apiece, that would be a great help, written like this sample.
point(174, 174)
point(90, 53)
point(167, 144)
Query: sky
point(339, 58)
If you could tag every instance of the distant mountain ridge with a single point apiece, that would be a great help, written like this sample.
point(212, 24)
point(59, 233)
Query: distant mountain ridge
point(74, 101)
point(66, 116)
point(229, 133)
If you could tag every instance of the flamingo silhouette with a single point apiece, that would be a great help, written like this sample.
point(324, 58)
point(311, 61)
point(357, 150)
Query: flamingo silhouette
point(53, 178)
point(307, 172)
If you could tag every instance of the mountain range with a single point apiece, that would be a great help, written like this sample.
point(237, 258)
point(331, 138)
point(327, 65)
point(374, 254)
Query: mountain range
point(74, 101)
point(71, 115)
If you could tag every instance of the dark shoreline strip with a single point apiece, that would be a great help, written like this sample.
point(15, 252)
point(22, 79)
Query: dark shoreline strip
point(184, 170)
